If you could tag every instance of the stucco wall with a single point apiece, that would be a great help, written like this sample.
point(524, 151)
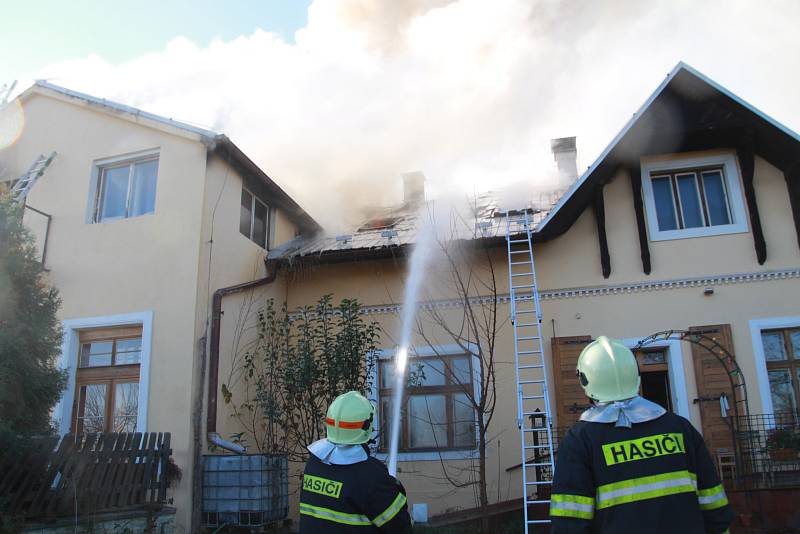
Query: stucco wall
point(570, 261)
point(146, 263)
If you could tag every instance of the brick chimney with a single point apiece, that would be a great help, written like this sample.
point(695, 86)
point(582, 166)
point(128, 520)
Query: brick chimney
point(565, 154)
point(413, 187)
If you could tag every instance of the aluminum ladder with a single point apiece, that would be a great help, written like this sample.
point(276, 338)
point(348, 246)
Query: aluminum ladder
point(26, 181)
point(531, 369)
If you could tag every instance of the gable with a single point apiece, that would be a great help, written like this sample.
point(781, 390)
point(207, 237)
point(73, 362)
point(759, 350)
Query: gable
point(687, 112)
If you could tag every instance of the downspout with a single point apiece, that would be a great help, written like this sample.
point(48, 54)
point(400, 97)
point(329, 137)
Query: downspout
point(273, 266)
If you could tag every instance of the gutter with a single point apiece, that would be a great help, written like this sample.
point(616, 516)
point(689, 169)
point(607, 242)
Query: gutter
point(273, 266)
point(392, 251)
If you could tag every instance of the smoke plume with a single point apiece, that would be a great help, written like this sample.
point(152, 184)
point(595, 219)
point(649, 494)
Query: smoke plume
point(468, 91)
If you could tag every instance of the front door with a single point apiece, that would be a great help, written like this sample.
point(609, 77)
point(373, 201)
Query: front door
point(654, 370)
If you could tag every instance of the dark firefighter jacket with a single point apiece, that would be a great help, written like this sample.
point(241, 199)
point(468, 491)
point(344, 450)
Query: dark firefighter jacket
point(655, 477)
point(358, 498)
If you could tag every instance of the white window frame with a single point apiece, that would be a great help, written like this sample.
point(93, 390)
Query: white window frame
point(675, 371)
point(268, 233)
point(762, 375)
point(421, 352)
point(93, 204)
point(70, 350)
point(731, 183)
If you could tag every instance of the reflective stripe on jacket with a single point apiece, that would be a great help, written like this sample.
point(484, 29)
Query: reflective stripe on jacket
point(360, 497)
point(655, 477)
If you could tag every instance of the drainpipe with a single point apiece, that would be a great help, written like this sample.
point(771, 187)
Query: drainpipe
point(216, 319)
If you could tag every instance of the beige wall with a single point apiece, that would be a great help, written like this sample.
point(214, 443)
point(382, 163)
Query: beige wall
point(572, 260)
point(166, 262)
point(162, 262)
point(147, 263)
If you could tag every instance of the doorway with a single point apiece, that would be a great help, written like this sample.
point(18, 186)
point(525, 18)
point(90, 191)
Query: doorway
point(654, 371)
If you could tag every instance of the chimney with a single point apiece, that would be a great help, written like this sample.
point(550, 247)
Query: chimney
point(565, 153)
point(413, 187)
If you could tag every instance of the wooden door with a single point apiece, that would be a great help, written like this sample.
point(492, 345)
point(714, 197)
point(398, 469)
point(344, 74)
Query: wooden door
point(569, 396)
point(712, 380)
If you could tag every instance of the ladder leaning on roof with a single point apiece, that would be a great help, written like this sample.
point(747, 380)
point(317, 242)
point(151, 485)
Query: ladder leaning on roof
point(26, 181)
point(531, 370)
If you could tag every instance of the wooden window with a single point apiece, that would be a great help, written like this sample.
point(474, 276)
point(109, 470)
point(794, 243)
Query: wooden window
point(254, 219)
point(126, 189)
point(437, 413)
point(107, 380)
point(782, 352)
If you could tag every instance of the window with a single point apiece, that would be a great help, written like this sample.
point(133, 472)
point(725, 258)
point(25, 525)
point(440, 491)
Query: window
point(437, 413)
point(126, 189)
point(693, 198)
point(782, 354)
point(107, 380)
point(254, 219)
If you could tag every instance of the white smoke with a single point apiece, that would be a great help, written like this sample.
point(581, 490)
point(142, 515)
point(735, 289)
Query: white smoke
point(469, 91)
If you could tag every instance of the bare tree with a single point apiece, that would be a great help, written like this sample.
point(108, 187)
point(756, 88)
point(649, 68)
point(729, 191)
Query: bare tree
point(466, 272)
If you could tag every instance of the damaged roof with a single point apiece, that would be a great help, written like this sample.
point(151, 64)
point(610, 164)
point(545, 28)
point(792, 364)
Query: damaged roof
point(392, 230)
point(687, 111)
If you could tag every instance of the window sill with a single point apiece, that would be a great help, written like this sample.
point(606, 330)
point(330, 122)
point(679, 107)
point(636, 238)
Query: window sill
point(706, 231)
point(110, 220)
point(424, 456)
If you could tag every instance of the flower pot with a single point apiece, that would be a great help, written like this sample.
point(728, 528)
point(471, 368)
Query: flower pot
point(782, 454)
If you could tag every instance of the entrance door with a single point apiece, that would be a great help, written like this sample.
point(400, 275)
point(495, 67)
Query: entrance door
point(570, 399)
point(712, 381)
point(654, 370)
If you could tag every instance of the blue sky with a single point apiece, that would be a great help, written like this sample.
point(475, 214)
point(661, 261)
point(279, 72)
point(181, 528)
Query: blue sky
point(37, 33)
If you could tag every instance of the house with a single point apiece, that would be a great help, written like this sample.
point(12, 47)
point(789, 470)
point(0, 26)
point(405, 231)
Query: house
point(139, 220)
point(689, 221)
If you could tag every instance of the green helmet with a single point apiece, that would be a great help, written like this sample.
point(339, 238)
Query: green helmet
point(349, 419)
point(608, 371)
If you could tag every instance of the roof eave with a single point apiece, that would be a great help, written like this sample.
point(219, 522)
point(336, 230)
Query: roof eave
point(558, 221)
point(127, 112)
point(385, 252)
point(224, 147)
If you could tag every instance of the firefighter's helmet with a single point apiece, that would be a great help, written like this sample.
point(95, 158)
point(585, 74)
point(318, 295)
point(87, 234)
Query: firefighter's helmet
point(349, 419)
point(608, 371)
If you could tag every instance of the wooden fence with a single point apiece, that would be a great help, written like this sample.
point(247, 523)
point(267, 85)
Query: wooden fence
point(83, 474)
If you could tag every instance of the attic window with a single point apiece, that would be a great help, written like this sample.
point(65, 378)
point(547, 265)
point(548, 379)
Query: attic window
point(125, 188)
point(382, 223)
point(693, 198)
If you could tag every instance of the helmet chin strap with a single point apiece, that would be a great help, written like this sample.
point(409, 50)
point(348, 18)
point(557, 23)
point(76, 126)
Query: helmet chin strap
point(368, 422)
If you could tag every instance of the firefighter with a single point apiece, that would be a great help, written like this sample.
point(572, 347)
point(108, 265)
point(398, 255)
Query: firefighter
point(344, 488)
point(629, 465)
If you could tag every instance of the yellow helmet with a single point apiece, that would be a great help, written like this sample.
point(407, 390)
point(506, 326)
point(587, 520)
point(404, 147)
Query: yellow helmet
point(349, 419)
point(608, 371)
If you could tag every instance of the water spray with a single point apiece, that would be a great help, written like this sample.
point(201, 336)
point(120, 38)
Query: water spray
point(419, 260)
